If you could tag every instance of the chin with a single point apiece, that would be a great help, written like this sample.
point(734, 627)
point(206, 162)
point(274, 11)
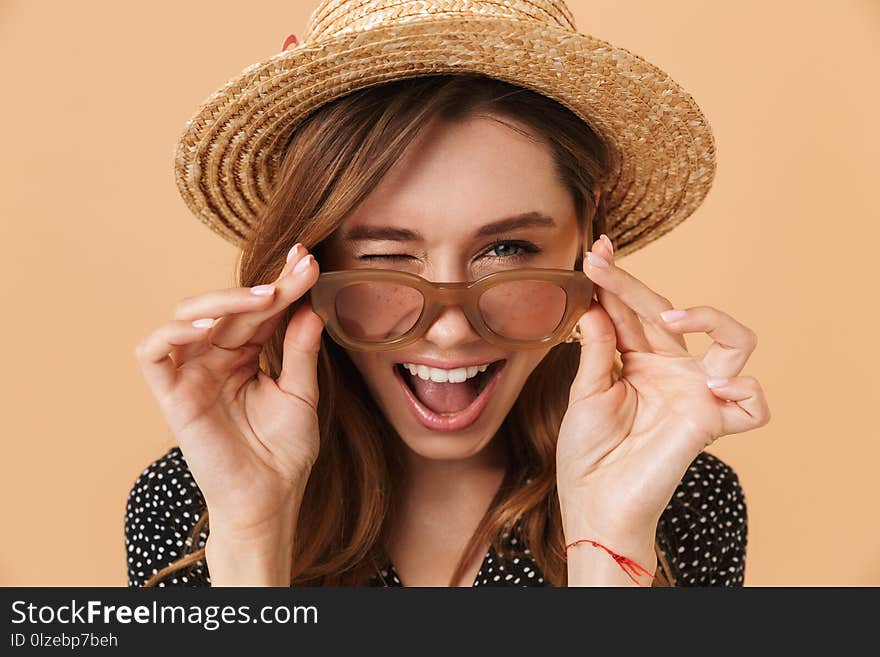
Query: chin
point(446, 436)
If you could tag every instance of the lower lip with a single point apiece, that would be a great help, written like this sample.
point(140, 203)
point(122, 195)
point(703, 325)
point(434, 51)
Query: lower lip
point(456, 421)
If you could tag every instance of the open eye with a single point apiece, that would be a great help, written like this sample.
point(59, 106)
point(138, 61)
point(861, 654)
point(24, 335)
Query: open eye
point(522, 248)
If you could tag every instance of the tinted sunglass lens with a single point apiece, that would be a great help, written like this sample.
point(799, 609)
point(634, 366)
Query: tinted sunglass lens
point(375, 312)
point(523, 310)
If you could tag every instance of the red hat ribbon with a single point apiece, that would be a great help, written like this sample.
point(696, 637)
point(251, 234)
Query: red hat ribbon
point(290, 39)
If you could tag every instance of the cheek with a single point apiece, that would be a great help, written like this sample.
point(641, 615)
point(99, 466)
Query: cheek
point(376, 373)
point(521, 365)
point(364, 362)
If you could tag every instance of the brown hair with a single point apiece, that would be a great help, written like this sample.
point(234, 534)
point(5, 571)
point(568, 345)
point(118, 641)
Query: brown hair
point(332, 162)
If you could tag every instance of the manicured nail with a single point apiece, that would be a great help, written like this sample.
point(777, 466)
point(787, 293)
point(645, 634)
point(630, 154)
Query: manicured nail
point(203, 323)
point(303, 264)
point(595, 260)
point(608, 242)
point(673, 315)
point(716, 382)
point(263, 290)
point(293, 251)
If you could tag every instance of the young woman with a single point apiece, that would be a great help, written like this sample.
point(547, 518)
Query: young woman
point(428, 436)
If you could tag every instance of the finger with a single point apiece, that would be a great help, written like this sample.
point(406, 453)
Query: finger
point(744, 403)
point(187, 352)
point(646, 303)
point(240, 328)
point(221, 304)
point(302, 342)
point(733, 342)
point(221, 354)
point(630, 332)
point(152, 353)
point(598, 347)
point(270, 325)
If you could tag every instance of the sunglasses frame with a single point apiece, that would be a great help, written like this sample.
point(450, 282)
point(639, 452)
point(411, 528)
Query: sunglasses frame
point(578, 297)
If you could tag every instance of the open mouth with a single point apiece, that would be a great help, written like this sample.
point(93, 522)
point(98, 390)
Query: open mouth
point(449, 405)
point(477, 383)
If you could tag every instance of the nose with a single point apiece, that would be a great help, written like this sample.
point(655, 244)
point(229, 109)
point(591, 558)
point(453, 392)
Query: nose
point(451, 329)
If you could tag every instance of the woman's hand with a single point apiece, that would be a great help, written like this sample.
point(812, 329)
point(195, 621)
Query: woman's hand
point(249, 440)
point(625, 445)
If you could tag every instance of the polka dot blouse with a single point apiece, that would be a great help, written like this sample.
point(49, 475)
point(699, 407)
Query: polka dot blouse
point(702, 531)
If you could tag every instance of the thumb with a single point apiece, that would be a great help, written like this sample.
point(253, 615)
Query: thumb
point(598, 347)
point(302, 342)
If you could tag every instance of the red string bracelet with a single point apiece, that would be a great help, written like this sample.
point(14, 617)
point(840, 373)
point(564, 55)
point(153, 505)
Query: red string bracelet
point(622, 561)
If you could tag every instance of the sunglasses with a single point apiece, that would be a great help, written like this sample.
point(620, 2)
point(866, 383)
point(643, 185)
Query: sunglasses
point(384, 309)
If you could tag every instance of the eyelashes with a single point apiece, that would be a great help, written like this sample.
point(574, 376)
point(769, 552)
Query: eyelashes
point(526, 249)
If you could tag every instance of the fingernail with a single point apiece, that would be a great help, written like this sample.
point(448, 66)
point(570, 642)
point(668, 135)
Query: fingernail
point(716, 382)
point(303, 264)
point(673, 315)
point(203, 323)
point(595, 260)
point(293, 251)
point(263, 290)
point(608, 242)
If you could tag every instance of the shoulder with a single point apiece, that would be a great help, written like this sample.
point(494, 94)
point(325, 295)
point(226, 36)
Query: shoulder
point(704, 529)
point(162, 509)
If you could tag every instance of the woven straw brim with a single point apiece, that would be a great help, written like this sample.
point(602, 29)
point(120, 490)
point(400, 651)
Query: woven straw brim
point(661, 146)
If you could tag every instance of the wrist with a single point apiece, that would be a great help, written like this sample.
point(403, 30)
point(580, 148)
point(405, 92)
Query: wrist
point(625, 541)
point(262, 560)
point(259, 524)
point(622, 532)
point(591, 565)
point(260, 554)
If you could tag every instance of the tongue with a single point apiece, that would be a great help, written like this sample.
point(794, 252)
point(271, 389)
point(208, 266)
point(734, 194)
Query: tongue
point(444, 397)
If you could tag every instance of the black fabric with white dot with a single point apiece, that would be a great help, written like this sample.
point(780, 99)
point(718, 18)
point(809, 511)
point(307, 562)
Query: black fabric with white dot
point(516, 570)
point(703, 530)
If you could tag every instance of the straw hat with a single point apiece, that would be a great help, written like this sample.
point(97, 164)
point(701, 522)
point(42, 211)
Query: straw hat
point(661, 146)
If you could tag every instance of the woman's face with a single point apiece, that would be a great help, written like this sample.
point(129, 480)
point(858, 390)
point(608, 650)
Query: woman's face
point(453, 181)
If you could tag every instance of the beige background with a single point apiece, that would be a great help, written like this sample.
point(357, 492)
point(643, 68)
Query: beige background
point(97, 248)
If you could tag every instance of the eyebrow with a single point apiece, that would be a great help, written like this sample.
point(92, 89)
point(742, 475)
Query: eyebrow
point(516, 222)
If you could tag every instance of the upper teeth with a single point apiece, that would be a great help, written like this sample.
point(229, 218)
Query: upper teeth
point(456, 375)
